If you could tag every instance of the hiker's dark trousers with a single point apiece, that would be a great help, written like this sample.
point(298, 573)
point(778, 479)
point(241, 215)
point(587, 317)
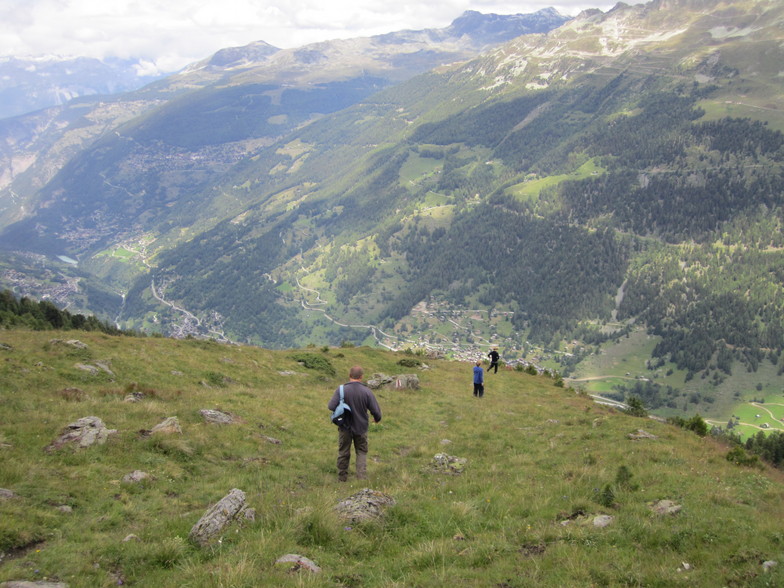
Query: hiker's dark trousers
point(360, 442)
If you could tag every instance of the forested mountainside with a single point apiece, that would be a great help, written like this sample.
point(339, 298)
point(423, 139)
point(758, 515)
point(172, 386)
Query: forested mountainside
point(621, 172)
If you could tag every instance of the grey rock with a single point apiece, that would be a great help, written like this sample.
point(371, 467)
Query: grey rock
point(769, 565)
point(602, 521)
point(665, 507)
point(91, 369)
point(218, 517)
point(448, 464)
point(399, 382)
point(365, 505)
point(640, 434)
point(135, 477)
point(299, 562)
point(75, 343)
point(83, 433)
point(168, 426)
point(217, 417)
point(37, 584)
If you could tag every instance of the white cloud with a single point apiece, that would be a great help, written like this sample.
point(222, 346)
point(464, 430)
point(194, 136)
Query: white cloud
point(169, 35)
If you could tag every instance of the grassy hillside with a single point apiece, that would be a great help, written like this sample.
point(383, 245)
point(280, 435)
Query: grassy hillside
point(542, 463)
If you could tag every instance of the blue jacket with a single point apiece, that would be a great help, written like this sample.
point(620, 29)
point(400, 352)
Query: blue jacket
point(479, 375)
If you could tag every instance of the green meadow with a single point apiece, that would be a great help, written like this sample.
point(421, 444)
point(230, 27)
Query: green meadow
point(544, 465)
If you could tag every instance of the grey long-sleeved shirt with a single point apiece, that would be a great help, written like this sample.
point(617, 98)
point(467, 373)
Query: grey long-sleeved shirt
point(361, 400)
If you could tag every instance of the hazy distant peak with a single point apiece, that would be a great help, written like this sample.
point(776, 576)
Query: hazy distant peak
point(232, 57)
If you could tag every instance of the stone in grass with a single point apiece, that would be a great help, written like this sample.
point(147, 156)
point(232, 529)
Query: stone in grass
point(297, 562)
point(665, 507)
point(602, 521)
point(37, 584)
point(218, 517)
point(168, 426)
point(640, 434)
point(83, 433)
point(135, 477)
point(582, 519)
point(448, 464)
point(365, 505)
point(6, 494)
point(217, 417)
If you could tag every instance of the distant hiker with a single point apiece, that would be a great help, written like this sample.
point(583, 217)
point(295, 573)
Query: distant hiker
point(493, 355)
point(361, 400)
point(479, 380)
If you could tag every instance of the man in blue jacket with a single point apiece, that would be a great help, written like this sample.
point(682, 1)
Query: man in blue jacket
point(361, 401)
point(479, 380)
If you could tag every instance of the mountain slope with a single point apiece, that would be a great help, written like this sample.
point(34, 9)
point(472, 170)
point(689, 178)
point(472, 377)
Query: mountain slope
point(194, 124)
point(549, 477)
point(555, 193)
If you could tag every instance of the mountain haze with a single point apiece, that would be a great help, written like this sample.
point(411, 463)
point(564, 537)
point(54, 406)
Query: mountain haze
point(617, 175)
point(29, 84)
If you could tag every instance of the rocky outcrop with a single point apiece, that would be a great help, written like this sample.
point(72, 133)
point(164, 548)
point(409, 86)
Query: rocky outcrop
point(448, 464)
point(83, 433)
point(365, 505)
point(399, 382)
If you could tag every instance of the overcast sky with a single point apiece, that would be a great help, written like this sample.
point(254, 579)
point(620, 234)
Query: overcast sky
point(172, 34)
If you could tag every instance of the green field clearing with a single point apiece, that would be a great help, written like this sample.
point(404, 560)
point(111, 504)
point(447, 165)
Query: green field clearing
point(532, 188)
point(417, 167)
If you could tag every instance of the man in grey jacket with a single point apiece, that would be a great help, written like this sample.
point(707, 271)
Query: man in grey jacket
point(361, 401)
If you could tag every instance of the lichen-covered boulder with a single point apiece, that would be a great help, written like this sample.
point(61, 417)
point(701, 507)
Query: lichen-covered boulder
point(83, 433)
point(365, 505)
point(448, 464)
point(218, 517)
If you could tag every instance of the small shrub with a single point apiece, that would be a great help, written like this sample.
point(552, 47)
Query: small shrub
point(623, 478)
point(695, 424)
point(739, 456)
point(409, 362)
point(636, 407)
point(607, 497)
point(216, 379)
point(698, 425)
point(312, 361)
